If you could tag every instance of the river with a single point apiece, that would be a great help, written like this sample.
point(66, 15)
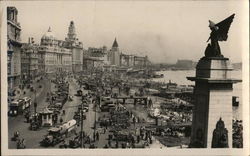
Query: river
point(179, 77)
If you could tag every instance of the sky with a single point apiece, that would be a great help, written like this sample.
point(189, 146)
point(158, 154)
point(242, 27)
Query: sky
point(165, 31)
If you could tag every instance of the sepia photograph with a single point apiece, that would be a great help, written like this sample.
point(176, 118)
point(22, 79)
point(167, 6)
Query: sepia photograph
point(124, 77)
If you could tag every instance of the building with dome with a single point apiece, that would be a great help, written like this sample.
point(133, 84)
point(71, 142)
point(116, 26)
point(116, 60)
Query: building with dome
point(53, 56)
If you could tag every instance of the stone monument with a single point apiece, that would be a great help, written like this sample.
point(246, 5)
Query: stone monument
point(212, 114)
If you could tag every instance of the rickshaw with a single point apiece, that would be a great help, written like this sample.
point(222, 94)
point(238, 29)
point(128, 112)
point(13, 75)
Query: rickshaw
point(16, 136)
point(70, 98)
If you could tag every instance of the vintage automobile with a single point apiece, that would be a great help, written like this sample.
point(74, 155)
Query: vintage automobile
point(58, 105)
point(21, 144)
point(105, 122)
point(35, 122)
point(83, 107)
point(77, 117)
point(79, 93)
point(74, 143)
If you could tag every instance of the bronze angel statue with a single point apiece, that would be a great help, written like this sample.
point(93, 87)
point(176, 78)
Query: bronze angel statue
point(218, 33)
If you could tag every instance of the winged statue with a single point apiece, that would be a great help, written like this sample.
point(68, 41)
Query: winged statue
point(218, 33)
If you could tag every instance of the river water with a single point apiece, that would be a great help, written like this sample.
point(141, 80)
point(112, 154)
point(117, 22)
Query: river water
point(179, 77)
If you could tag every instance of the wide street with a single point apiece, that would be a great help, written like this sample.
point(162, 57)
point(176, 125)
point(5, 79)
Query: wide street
point(19, 123)
point(33, 138)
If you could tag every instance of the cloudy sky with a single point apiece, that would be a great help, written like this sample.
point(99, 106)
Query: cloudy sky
point(163, 30)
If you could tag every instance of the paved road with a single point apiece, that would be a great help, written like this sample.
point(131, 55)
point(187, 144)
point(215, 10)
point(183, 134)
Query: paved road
point(71, 106)
point(19, 123)
point(34, 137)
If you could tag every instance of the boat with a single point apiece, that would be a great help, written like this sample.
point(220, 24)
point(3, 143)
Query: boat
point(158, 75)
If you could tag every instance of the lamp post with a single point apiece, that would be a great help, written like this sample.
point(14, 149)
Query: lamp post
point(35, 103)
point(95, 116)
point(81, 133)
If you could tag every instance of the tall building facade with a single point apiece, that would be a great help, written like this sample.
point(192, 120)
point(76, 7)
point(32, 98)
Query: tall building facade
point(133, 61)
point(96, 57)
point(29, 61)
point(53, 56)
point(14, 49)
point(141, 61)
point(114, 54)
point(76, 47)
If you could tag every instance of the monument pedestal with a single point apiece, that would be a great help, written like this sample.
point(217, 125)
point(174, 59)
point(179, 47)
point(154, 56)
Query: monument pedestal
point(212, 115)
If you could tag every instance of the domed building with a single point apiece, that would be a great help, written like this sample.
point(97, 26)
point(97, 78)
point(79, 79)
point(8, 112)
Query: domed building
point(53, 56)
point(48, 38)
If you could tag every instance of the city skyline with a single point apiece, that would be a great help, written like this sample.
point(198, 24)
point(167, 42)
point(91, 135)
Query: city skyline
point(167, 35)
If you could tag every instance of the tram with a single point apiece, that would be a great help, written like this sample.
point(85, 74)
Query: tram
point(17, 107)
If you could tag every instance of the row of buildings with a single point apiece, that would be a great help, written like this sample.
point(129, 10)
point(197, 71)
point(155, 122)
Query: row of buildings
point(29, 60)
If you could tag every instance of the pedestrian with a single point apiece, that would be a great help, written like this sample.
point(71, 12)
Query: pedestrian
point(127, 145)
point(61, 120)
point(18, 143)
point(106, 146)
point(16, 136)
point(109, 143)
point(138, 138)
point(150, 140)
point(23, 143)
point(94, 136)
point(146, 135)
point(97, 136)
point(88, 139)
point(134, 121)
point(116, 144)
point(27, 117)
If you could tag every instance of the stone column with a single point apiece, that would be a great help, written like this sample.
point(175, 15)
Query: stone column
point(213, 102)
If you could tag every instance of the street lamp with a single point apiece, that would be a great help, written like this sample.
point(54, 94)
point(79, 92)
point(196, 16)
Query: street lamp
point(81, 133)
point(35, 103)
